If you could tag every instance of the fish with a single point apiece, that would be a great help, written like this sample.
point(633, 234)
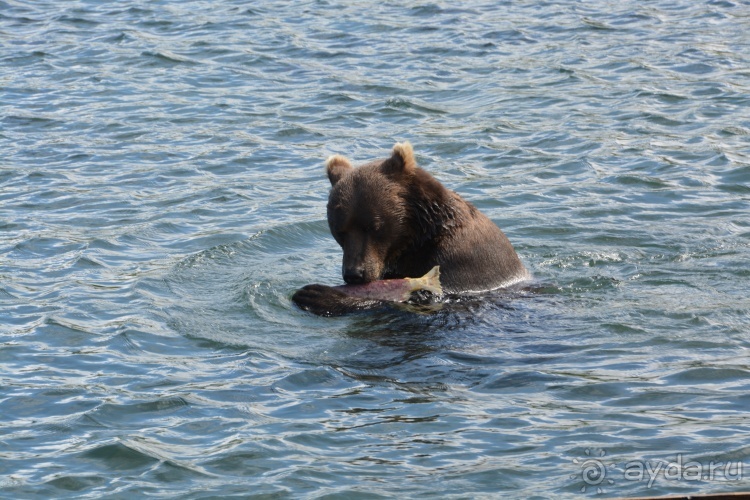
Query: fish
point(395, 290)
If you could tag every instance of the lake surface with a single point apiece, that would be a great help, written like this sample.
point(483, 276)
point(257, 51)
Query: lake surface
point(162, 195)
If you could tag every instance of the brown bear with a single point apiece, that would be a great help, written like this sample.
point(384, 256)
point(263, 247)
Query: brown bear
point(395, 220)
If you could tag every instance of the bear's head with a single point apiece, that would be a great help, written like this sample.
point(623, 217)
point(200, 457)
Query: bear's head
point(382, 210)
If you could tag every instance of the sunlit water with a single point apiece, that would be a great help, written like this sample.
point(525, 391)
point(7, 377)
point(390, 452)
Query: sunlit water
point(162, 195)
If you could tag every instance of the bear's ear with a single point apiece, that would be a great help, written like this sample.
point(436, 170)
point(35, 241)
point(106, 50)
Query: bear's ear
point(401, 162)
point(336, 167)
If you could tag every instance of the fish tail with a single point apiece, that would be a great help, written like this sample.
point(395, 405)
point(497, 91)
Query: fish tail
point(431, 281)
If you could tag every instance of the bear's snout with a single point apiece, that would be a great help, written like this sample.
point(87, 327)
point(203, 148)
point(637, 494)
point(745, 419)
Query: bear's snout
point(363, 261)
point(354, 275)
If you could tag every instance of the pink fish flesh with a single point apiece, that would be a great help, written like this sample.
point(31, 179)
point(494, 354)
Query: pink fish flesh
point(396, 290)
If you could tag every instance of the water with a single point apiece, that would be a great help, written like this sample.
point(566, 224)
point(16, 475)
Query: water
point(162, 195)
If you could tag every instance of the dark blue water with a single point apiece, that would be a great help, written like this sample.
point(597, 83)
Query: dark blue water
point(162, 195)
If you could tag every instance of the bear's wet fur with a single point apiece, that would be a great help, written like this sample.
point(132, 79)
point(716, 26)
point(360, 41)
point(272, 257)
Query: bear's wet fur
point(395, 220)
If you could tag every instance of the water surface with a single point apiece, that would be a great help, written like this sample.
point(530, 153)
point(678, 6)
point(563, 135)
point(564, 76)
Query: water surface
point(162, 195)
